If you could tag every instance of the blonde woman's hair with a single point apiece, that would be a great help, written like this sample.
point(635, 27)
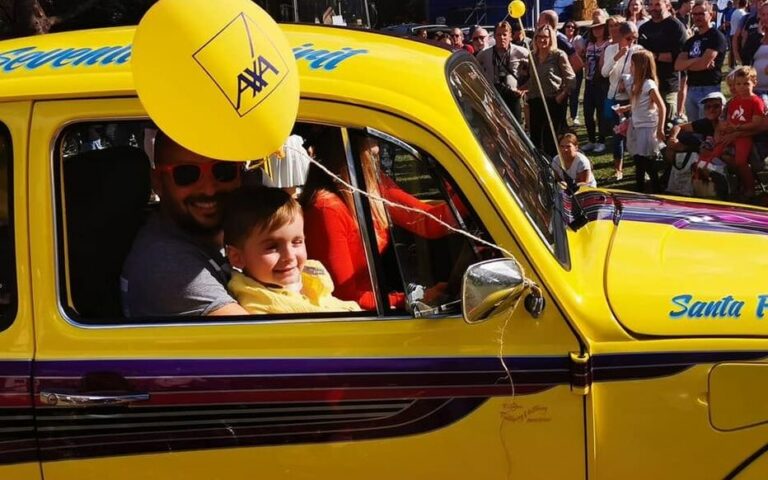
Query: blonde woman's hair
point(545, 29)
point(616, 19)
point(370, 165)
point(644, 69)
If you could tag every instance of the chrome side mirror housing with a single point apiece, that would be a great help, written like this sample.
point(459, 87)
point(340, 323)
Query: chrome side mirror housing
point(489, 286)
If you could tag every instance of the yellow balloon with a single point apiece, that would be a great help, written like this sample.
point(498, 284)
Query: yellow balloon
point(219, 78)
point(516, 9)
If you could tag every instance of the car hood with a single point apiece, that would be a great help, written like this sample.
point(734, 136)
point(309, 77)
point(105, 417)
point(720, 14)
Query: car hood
point(679, 267)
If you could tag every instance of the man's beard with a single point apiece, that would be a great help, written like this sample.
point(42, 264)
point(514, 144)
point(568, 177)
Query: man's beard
point(189, 224)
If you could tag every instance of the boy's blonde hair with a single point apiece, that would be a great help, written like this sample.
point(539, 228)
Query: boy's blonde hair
point(257, 209)
point(745, 71)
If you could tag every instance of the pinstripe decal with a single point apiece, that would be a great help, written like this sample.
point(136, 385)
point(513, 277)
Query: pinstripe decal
point(679, 214)
point(200, 404)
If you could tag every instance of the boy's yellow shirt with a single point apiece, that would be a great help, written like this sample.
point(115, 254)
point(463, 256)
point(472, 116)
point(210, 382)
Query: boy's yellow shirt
point(315, 295)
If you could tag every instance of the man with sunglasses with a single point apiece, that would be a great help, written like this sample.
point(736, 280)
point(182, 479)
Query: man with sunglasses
point(479, 39)
point(176, 266)
point(690, 136)
point(702, 58)
point(457, 39)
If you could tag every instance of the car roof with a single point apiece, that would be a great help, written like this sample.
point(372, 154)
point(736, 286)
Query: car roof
point(352, 65)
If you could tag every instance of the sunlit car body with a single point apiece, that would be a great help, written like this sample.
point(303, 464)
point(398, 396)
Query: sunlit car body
point(632, 370)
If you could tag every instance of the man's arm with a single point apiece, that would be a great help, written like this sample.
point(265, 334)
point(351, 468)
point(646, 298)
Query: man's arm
point(665, 57)
point(677, 42)
point(230, 309)
point(576, 61)
point(683, 62)
point(704, 62)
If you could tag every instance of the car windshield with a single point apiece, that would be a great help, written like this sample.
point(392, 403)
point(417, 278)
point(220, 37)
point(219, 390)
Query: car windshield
point(524, 170)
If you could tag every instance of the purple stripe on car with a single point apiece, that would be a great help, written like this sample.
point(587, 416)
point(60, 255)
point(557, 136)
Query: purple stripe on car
point(680, 214)
point(292, 366)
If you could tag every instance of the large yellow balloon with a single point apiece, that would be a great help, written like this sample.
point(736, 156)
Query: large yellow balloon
point(516, 9)
point(218, 77)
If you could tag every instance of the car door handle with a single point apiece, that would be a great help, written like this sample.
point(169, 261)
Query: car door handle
point(77, 400)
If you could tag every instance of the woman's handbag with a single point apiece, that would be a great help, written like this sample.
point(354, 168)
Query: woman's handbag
point(608, 112)
point(710, 179)
point(681, 174)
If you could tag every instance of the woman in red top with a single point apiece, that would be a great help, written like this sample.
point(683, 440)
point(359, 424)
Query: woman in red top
point(330, 225)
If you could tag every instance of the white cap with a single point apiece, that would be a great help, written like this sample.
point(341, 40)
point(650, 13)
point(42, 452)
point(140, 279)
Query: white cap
point(713, 96)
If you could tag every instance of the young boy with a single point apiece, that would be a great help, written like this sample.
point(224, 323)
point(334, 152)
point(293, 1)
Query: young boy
point(743, 117)
point(264, 238)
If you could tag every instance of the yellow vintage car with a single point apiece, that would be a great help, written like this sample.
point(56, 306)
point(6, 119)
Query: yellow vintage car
point(600, 335)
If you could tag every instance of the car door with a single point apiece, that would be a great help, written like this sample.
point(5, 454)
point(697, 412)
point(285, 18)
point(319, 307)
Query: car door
point(371, 394)
point(18, 450)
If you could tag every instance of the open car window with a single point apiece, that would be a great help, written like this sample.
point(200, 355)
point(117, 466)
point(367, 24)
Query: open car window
point(418, 223)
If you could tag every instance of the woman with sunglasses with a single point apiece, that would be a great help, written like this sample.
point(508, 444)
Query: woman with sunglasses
point(557, 78)
point(571, 32)
point(616, 65)
point(333, 234)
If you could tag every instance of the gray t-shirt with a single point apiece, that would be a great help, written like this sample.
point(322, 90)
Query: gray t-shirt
point(168, 273)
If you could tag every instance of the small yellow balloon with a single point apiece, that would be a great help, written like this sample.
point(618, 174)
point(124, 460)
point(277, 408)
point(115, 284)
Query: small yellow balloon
point(516, 9)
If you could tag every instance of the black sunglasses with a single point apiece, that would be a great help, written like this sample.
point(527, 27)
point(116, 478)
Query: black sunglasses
point(188, 174)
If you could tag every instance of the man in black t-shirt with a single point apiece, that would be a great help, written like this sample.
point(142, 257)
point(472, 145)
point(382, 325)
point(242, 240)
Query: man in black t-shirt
point(664, 36)
point(702, 58)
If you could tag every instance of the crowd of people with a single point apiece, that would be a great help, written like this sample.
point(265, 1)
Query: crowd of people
point(648, 84)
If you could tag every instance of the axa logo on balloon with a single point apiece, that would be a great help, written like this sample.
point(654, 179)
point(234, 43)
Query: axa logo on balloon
point(254, 67)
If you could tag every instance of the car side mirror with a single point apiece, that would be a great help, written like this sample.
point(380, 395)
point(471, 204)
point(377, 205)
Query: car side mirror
point(489, 286)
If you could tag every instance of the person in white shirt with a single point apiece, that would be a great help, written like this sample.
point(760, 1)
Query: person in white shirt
point(574, 163)
point(616, 64)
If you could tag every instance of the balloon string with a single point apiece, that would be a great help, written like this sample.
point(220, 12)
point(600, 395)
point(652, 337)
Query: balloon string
point(406, 208)
point(546, 107)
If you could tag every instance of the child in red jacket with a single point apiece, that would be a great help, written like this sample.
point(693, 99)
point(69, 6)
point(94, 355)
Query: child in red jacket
point(744, 112)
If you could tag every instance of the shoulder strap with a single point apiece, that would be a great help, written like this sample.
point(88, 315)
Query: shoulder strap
point(498, 60)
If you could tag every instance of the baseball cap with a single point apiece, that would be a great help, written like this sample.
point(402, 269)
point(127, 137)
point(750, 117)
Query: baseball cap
point(713, 96)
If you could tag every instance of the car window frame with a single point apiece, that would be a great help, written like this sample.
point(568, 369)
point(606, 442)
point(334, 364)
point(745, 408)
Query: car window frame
point(559, 246)
point(364, 217)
